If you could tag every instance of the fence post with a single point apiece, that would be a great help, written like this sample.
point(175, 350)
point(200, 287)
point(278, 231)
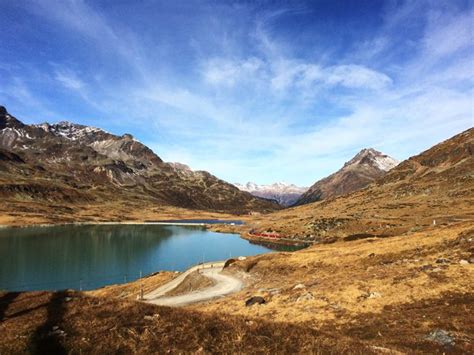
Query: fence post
point(141, 286)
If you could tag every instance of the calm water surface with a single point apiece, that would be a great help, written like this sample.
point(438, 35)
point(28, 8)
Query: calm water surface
point(91, 256)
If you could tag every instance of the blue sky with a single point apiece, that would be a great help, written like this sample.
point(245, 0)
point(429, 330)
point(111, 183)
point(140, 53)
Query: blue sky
point(259, 91)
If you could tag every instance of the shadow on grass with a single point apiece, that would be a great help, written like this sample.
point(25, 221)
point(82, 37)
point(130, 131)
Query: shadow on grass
point(47, 338)
point(5, 301)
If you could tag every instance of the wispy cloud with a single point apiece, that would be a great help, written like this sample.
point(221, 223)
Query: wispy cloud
point(448, 33)
point(275, 93)
point(287, 74)
point(228, 72)
point(69, 79)
point(305, 76)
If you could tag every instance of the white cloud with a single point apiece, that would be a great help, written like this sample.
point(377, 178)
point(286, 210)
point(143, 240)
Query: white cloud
point(284, 74)
point(227, 72)
point(69, 79)
point(80, 17)
point(448, 33)
point(290, 74)
point(356, 76)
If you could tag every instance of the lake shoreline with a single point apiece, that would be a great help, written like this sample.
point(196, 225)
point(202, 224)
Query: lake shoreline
point(104, 223)
point(213, 227)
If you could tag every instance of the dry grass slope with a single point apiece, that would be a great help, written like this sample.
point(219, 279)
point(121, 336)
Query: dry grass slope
point(389, 292)
point(69, 322)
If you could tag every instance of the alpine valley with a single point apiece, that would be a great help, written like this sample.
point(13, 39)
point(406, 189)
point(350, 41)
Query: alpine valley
point(388, 266)
point(237, 177)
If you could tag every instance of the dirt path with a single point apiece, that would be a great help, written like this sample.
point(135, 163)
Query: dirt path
point(224, 285)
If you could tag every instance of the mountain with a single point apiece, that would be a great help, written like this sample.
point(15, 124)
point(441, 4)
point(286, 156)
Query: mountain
point(285, 194)
point(432, 188)
point(367, 166)
point(67, 162)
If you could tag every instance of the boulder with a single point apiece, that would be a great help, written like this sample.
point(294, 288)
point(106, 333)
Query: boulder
point(254, 300)
point(306, 297)
point(441, 337)
point(367, 295)
point(151, 317)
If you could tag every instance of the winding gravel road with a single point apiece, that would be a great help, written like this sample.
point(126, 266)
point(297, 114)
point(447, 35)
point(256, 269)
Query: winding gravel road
point(224, 285)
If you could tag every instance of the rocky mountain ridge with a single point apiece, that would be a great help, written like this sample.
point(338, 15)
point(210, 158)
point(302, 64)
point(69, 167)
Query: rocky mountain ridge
point(97, 165)
point(364, 168)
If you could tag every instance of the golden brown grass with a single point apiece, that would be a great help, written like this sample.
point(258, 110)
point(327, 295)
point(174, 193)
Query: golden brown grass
point(69, 322)
point(132, 290)
point(350, 284)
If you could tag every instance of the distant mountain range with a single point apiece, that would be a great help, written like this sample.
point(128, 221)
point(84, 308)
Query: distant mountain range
point(367, 166)
point(433, 188)
point(67, 162)
point(285, 194)
point(364, 168)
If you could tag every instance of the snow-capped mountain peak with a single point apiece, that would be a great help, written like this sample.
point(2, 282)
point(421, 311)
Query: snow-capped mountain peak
point(284, 193)
point(364, 168)
point(373, 157)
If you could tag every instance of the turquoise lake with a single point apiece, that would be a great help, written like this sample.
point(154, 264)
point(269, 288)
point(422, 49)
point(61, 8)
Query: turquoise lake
point(91, 256)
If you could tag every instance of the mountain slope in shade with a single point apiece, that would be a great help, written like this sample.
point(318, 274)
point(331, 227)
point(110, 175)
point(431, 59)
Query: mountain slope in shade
point(432, 189)
point(70, 162)
point(367, 166)
point(285, 194)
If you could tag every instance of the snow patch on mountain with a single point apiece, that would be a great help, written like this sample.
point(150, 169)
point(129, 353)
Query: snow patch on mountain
point(386, 163)
point(70, 130)
point(284, 193)
point(373, 157)
point(364, 168)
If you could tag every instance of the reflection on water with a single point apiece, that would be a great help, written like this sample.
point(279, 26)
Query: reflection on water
point(200, 221)
point(91, 256)
point(278, 246)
